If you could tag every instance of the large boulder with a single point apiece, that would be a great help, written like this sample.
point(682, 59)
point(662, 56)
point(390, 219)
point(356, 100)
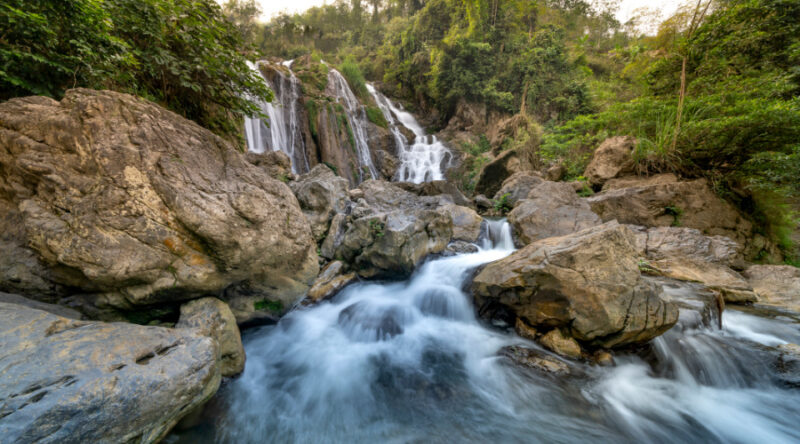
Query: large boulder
point(587, 284)
point(611, 159)
point(494, 173)
point(71, 381)
point(680, 242)
point(517, 187)
point(392, 230)
point(777, 285)
point(113, 196)
point(550, 209)
point(322, 194)
point(466, 222)
point(689, 204)
point(213, 318)
point(436, 188)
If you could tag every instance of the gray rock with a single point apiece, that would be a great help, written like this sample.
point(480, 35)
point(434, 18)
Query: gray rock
point(213, 318)
point(517, 187)
point(68, 381)
point(550, 209)
point(777, 285)
point(611, 159)
point(112, 195)
point(322, 194)
point(58, 310)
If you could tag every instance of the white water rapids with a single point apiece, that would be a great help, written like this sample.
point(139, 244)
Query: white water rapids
point(408, 361)
point(423, 160)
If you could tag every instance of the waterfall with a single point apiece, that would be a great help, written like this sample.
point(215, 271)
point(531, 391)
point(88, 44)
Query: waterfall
point(423, 160)
point(283, 132)
point(356, 118)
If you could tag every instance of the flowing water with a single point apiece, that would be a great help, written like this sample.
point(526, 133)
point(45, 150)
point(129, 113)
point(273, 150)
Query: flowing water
point(357, 119)
point(403, 362)
point(426, 158)
point(283, 131)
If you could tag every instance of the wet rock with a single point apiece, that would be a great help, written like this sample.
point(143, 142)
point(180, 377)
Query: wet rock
point(393, 230)
point(368, 323)
point(550, 209)
point(777, 285)
point(466, 222)
point(639, 181)
point(525, 331)
point(587, 283)
point(700, 307)
point(330, 281)
point(322, 195)
point(78, 381)
point(105, 207)
point(603, 358)
point(556, 342)
point(532, 359)
point(611, 159)
point(214, 319)
point(517, 187)
point(459, 247)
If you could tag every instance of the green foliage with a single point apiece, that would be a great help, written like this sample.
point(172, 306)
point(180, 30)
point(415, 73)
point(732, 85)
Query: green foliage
point(268, 305)
point(676, 213)
point(377, 228)
point(332, 167)
point(375, 115)
point(502, 205)
point(476, 149)
point(355, 78)
point(182, 54)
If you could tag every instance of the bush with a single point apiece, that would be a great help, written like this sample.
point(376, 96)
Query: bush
point(350, 70)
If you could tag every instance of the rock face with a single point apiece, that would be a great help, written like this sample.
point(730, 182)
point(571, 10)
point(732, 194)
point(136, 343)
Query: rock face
point(213, 318)
point(322, 195)
point(550, 209)
point(611, 159)
point(517, 187)
point(466, 222)
point(107, 194)
point(494, 173)
point(679, 242)
point(74, 381)
point(689, 204)
point(777, 285)
point(392, 230)
point(587, 284)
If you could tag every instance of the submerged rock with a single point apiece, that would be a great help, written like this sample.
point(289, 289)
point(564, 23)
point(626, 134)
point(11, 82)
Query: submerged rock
point(213, 318)
point(534, 360)
point(110, 195)
point(74, 381)
point(550, 209)
point(587, 283)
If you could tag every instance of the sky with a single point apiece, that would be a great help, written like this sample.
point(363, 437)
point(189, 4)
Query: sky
point(273, 7)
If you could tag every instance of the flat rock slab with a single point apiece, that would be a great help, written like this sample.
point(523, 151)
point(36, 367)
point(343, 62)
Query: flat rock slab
point(69, 381)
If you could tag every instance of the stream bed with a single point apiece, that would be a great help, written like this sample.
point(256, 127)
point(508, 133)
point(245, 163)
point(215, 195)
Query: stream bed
point(408, 362)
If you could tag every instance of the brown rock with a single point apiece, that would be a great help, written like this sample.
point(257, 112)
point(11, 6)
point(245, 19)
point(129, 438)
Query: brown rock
point(587, 283)
point(637, 181)
point(777, 285)
point(330, 281)
point(524, 330)
point(120, 198)
point(732, 285)
point(214, 319)
point(534, 360)
point(321, 195)
point(517, 187)
point(556, 342)
point(679, 242)
point(494, 173)
point(611, 159)
point(466, 222)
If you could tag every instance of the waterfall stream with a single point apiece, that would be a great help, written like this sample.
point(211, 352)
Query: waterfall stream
point(423, 160)
point(408, 361)
point(357, 119)
point(283, 131)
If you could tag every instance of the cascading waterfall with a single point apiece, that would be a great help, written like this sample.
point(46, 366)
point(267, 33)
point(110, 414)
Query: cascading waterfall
point(357, 119)
point(423, 160)
point(283, 132)
point(409, 362)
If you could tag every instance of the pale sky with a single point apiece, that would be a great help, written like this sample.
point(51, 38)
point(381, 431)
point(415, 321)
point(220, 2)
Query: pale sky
point(273, 7)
